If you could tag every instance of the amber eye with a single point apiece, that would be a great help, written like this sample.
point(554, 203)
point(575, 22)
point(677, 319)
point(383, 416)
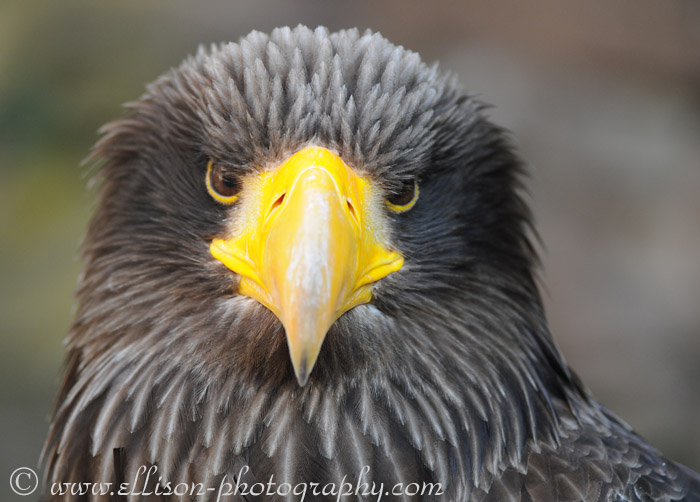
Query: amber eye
point(404, 197)
point(222, 185)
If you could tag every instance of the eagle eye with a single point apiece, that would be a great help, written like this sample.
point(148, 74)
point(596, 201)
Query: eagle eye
point(405, 197)
point(222, 185)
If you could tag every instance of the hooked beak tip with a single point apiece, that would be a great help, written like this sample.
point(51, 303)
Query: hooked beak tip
point(302, 372)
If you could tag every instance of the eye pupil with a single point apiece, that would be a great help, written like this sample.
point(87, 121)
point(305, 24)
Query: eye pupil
point(225, 185)
point(229, 182)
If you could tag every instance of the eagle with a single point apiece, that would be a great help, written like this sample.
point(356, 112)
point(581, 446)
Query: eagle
point(311, 275)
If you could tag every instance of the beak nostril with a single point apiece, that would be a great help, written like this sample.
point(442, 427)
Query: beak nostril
point(351, 208)
point(274, 207)
point(277, 203)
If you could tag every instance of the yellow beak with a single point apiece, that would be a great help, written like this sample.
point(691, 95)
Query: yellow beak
point(307, 248)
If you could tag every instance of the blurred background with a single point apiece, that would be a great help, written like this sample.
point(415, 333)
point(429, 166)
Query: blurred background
point(604, 101)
